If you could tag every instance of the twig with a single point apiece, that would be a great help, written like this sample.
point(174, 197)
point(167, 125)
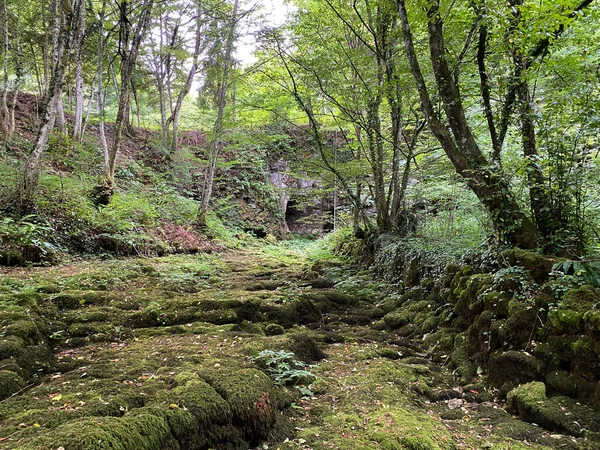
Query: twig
point(18, 392)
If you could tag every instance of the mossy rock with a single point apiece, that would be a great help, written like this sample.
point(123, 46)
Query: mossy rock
point(90, 328)
point(538, 265)
point(37, 359)
point(470, 299)
point(397, 319)
point(203, 402)
point(389, 353)
point(11, 347)
point(562, 320)
point(273, 329)
point(519, 430)
point(513, 367)
point(518, 327)
point(135, 432)
point(10, 383)
point(591, 320)
point(582, 298)
point(560, 382)
point(250, 395)
point(305, 348)
point(560, 414)
point(461, 359)
point(25, 329)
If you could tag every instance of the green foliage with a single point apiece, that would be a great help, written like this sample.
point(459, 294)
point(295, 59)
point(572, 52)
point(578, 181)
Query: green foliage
point(24, 232)
point(27, 237)
point(580, 272)
point(284, 368)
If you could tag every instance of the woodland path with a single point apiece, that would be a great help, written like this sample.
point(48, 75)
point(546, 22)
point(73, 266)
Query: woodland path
point(156, 354)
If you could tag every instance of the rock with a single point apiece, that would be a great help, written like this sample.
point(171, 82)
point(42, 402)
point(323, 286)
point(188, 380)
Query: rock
point(513, 367)
point(560, 414)
point(305, 348)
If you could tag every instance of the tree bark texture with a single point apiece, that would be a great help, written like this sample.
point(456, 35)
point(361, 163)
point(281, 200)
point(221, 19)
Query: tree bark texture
point(510, 222)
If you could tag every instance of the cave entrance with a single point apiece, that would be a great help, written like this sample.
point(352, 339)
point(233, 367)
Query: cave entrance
point(260, 233)
point(292, 213)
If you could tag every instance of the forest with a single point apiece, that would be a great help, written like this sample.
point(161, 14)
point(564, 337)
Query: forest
point(301, 224)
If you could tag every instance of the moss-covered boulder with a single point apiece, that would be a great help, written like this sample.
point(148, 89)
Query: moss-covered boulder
point(273, 329)
point(134, 432)
point(539, 266)
point(470, 297)
point(513, 367)
point(568, 316)
point(560, 414)
point(253, 401)
point(203, 402)
point(304, 347)
point(520, 324)
point(10, 383)
point(561, 382)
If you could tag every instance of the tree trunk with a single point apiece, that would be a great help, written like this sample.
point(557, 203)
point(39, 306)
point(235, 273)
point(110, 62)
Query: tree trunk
point(218, 128)
point(130, 41)
point(189, 80)
point(48, 37)
point(79, 100)
point(61, 29)
point(5, 131)
point(541, 205)
point(61, 123)
point(511, 224)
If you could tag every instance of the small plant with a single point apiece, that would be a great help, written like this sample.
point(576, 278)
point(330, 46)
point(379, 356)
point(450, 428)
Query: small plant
point(285, 370)
point(513, 279)
point(582, 272)
point(26, 238)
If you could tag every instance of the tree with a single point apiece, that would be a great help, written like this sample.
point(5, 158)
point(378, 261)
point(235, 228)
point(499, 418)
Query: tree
point(62, 32)
point(7, 109)
point(223, 64)
point(455, 133)
point(132, 31)
point(364, 98)
point(79, 18)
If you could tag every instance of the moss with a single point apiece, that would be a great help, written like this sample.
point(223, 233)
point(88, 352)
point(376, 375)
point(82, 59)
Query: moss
point(461, 360)
point(305, 348)
point(273, 329)
point(538, 265)
point(25, 329)
point(305, 311)
point(399, 428)
point(513, 367)
point(560, 382)
point(251, 397)
point(565, 320)
point(203, 402)
point(517, 329)
point(90, 328)
point(10, 382)
point(397, 319)
point(389, 353)
point(37, 359)
point(11, 347)
point(140, 432)
point(516, 429)
point(558, 414)
point(592, 320)
point(470, 297)
point(582, 298)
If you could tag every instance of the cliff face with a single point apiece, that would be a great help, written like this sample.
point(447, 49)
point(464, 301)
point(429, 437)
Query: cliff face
point(304, 214)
